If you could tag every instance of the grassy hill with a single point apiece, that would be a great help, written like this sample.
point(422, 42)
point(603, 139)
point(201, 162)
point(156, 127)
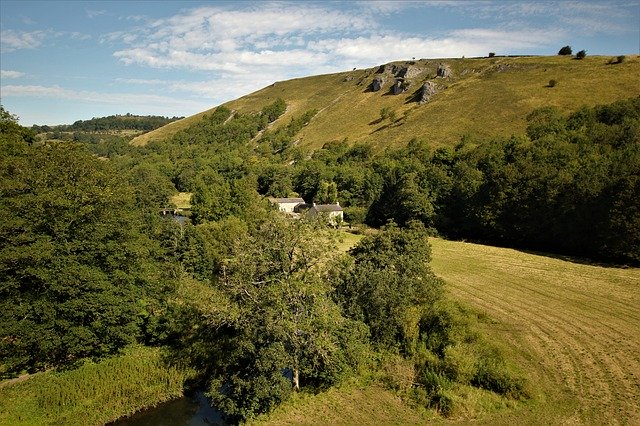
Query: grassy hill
point(481, 98)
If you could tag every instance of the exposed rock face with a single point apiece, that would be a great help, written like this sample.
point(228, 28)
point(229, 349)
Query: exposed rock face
point(408, 72)
point(444, 71)
point(426, 92)
point(399, 86)
point(377, 84)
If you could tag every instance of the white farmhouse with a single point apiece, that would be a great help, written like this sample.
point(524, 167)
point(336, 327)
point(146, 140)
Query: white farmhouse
point(333, 212)
point(286, 205)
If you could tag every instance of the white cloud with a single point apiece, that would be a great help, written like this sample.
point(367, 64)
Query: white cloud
point(11, 74)
point(93, 13)
point(11, 40)
point(210, 38)
point(292, 40)
point(159, 103)
point(215, 90)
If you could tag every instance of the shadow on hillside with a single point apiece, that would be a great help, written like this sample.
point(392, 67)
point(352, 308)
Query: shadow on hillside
point(581, 260)
point(575, 259)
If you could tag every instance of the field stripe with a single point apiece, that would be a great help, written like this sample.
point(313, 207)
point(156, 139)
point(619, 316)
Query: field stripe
point(580, 324)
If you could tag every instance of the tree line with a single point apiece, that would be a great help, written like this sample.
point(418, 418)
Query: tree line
point(113, 122)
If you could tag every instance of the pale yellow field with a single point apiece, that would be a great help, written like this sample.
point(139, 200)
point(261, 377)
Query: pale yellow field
point(574, 328)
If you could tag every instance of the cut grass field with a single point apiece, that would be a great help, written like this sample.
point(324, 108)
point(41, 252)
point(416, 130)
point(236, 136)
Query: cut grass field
point(484, 97)
point(574, 328)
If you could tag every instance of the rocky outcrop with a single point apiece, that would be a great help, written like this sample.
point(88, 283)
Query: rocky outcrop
point(408, 72)
point(425, 93)
point(377, 84)
point(444, 71)
point(400, 86)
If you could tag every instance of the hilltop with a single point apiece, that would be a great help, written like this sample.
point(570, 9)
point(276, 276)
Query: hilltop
point(477, 97)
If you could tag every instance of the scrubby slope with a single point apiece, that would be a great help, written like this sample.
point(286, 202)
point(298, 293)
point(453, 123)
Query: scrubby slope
point(481, 98)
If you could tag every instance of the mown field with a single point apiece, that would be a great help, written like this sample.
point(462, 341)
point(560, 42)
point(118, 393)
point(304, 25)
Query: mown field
point(573, 327)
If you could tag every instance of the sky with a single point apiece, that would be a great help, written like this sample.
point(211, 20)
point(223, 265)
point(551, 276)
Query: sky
point(63, 61)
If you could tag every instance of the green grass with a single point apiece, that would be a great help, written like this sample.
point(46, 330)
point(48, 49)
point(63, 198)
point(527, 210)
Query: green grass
point(571, 327)
point(182, 200)
point(347, 240)
point(353, 403)
point(485, 97)
point(93, 394)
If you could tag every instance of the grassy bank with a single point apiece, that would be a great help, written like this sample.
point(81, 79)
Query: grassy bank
point(93, 394)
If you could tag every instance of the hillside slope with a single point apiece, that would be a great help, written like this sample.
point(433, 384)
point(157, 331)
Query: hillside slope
point(480, 98)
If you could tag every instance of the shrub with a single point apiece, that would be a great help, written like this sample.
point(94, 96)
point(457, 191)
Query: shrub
point(617, 60)
point(492, 54)
point(566, 50)
point(581, 54)
point(552, 83)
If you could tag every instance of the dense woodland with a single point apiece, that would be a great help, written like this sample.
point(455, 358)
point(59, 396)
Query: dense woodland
point(111, 123)
point(260, 305)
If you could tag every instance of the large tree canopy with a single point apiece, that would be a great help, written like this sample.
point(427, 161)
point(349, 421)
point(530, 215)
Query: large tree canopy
point(72, 257)
point(289, 332)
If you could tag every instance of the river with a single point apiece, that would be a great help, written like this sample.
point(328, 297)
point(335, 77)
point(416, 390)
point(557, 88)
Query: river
point(186, 411)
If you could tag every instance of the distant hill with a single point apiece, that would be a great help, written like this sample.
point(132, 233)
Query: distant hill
point(112, 123)
point(477, 98)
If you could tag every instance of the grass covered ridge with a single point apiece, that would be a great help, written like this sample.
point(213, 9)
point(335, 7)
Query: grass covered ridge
point(95, 393)
point(484, 97)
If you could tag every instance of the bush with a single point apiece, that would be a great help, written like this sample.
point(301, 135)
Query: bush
point(552, 83)
point(566, 50)
point(617, 60)
point(492, 54)
point(581, 54)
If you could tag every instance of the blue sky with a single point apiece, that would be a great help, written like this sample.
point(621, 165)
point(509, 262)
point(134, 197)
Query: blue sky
point(67, 61)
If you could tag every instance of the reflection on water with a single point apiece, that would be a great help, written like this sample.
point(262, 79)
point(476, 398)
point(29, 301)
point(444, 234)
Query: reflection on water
point(187, 411)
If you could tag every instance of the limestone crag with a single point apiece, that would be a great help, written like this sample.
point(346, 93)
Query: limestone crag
point(407, 74)
point(444, 71)
point(427, 90)
point(377, 84)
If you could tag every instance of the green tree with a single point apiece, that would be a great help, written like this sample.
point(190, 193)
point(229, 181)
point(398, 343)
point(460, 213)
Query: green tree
point(287, 321)
point(74, 261)
point(387, 113)
point(566, 50)
point(581, 54)
point(390, 284)
point(328, 193)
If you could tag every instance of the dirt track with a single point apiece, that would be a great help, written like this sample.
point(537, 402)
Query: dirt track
point(576, 327)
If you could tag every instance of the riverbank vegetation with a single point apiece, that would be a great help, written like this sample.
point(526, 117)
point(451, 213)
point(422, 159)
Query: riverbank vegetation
point(259, 306)
point(93, 393)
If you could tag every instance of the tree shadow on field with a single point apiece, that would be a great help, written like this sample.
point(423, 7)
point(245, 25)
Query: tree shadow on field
point(581, 260)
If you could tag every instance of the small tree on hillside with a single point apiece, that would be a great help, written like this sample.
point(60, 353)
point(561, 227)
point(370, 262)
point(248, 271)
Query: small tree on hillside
point(566, 50)
point(387, 113)
point(581, 54)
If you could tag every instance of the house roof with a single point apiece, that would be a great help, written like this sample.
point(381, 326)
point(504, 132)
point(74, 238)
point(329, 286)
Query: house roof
point(327, 208)
point(286, 200)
